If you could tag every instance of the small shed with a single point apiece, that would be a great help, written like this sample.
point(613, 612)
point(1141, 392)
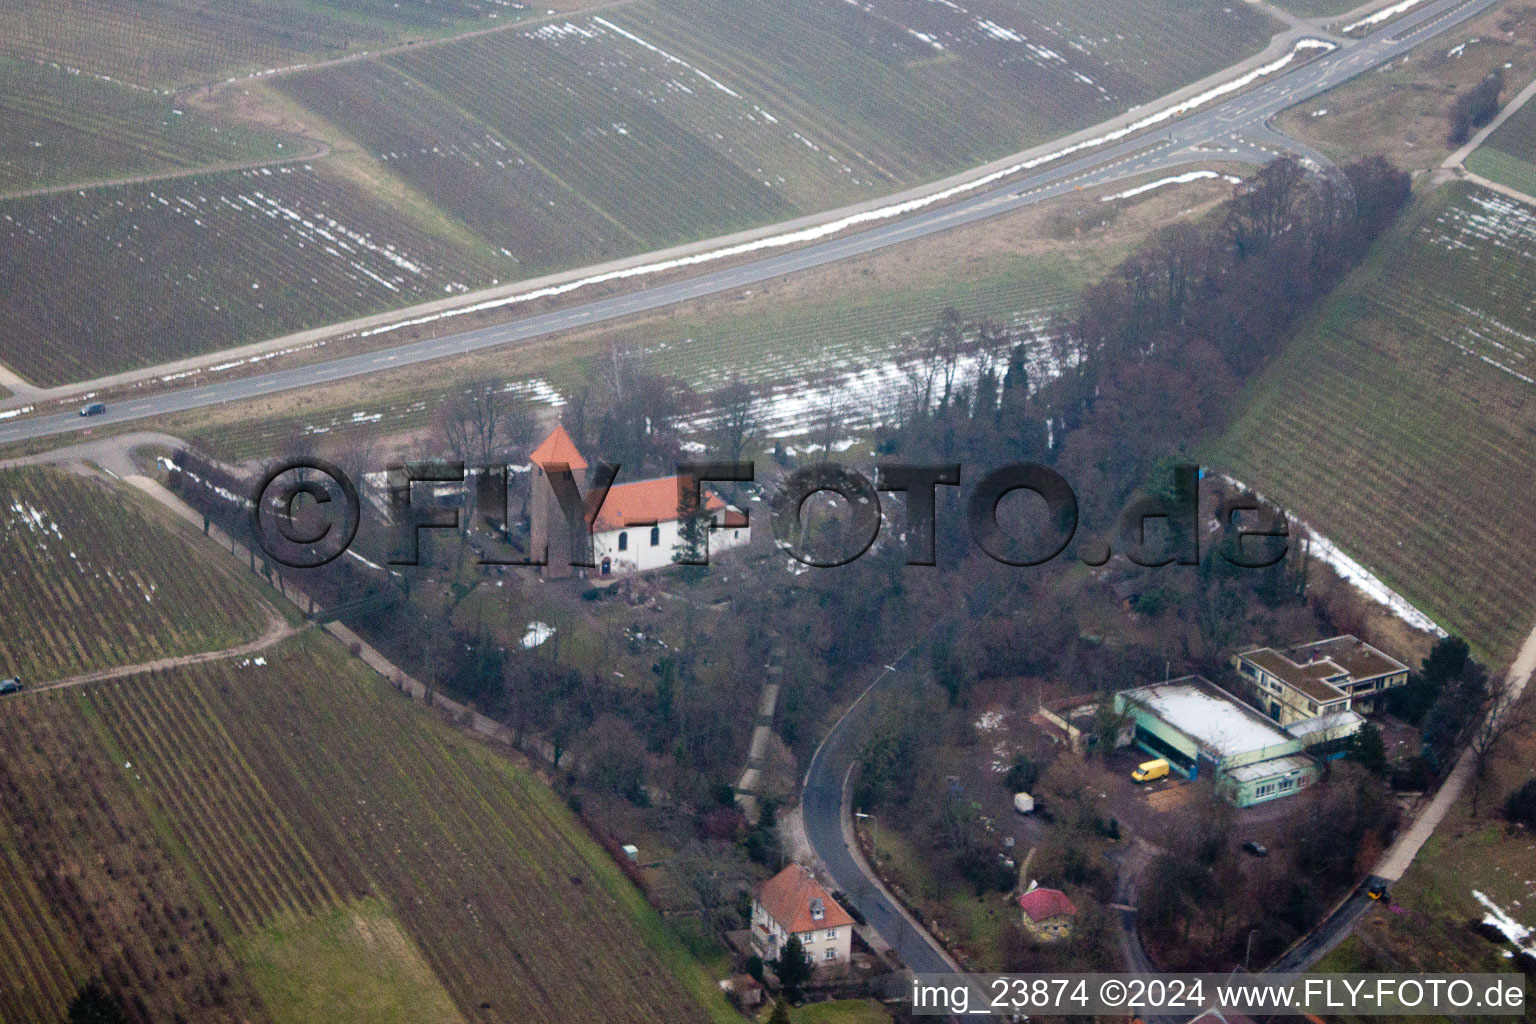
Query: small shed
point(1023, 803)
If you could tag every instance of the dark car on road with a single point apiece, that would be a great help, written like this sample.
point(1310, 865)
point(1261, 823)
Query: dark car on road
point(93, 409)
point(11, 685)
point(1257, 849)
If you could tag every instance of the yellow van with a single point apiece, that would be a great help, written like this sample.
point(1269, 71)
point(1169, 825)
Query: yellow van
point(1150, 771)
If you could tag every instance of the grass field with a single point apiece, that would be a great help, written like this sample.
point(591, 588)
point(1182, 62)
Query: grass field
point(1429, 924)
point(63, 126)
point(357, 957)
point(841, 1011)
point(846, 350)
point(1400, 420)
point(89, 580)
point(1508, 156)
point(1317, 8)
point(234, 828)
point(174, 42)
point(167, 270)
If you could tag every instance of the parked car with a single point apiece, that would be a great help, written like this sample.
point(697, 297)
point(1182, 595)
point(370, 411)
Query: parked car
point(11, 685)
point(1150, 771)
point(1377, 891)
point(93, 409)
point(1257, 849)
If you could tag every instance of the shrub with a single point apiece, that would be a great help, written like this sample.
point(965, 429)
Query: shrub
point(1521, 805)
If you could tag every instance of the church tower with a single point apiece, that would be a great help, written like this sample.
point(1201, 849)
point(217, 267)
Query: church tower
point(548, 529)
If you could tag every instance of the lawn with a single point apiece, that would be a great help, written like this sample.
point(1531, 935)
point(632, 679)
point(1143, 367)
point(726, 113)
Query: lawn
point(1318, 8)
point(248, 827)
point(1508, 155)
point(1399, 419)
point(354, 957)
point(839, 1011)
point(91, 579)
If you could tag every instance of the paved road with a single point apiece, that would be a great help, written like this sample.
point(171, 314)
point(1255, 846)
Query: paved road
point(823, 816)
point(1234, 130)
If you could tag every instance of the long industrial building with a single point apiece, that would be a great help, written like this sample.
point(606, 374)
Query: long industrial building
point(1205, 732)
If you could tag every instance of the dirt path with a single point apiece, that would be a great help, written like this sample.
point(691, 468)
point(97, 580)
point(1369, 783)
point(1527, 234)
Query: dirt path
point(278, 630)
point(320, 151)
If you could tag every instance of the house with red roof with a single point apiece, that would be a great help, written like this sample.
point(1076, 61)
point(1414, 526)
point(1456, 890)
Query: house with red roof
point(1048, 914)
point(792, 902)
point(639, 526)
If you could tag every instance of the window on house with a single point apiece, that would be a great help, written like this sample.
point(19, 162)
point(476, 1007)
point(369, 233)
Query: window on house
point(1285, 784)
point(831, 933)
point(655, 536)
point(623, 542)
point(830, 954)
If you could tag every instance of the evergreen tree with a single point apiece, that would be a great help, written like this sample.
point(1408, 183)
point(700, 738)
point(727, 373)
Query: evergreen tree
point(1368, 751)
point(793, 968)
point(780, 1013)
point(95, 1005)
point(1521, 805)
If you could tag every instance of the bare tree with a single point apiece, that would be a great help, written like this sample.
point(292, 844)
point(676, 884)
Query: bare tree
point(474, 422)
point(1501, 714)
point(831, 421)
point(738, 422)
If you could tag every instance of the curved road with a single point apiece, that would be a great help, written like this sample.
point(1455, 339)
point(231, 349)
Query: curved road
point(823, 814)
point(1234, 130)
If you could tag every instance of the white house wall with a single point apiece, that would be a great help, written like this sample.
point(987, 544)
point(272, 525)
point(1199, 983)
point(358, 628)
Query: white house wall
point(640, 555)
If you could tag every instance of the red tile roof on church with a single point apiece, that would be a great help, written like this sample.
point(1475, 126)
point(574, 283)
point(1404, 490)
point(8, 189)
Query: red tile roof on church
point(644, 502)
point(558, 448)
point(1043, 904)
point(790, 896)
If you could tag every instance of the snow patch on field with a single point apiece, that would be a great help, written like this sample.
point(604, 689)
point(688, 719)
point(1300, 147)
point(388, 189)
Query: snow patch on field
point(537, 633)
point(34, 519)
point(1377, 17)
point(1488, 219)
point(1351, 571)
point(1518, 934)
point(1177, 179)
point(664, 55)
